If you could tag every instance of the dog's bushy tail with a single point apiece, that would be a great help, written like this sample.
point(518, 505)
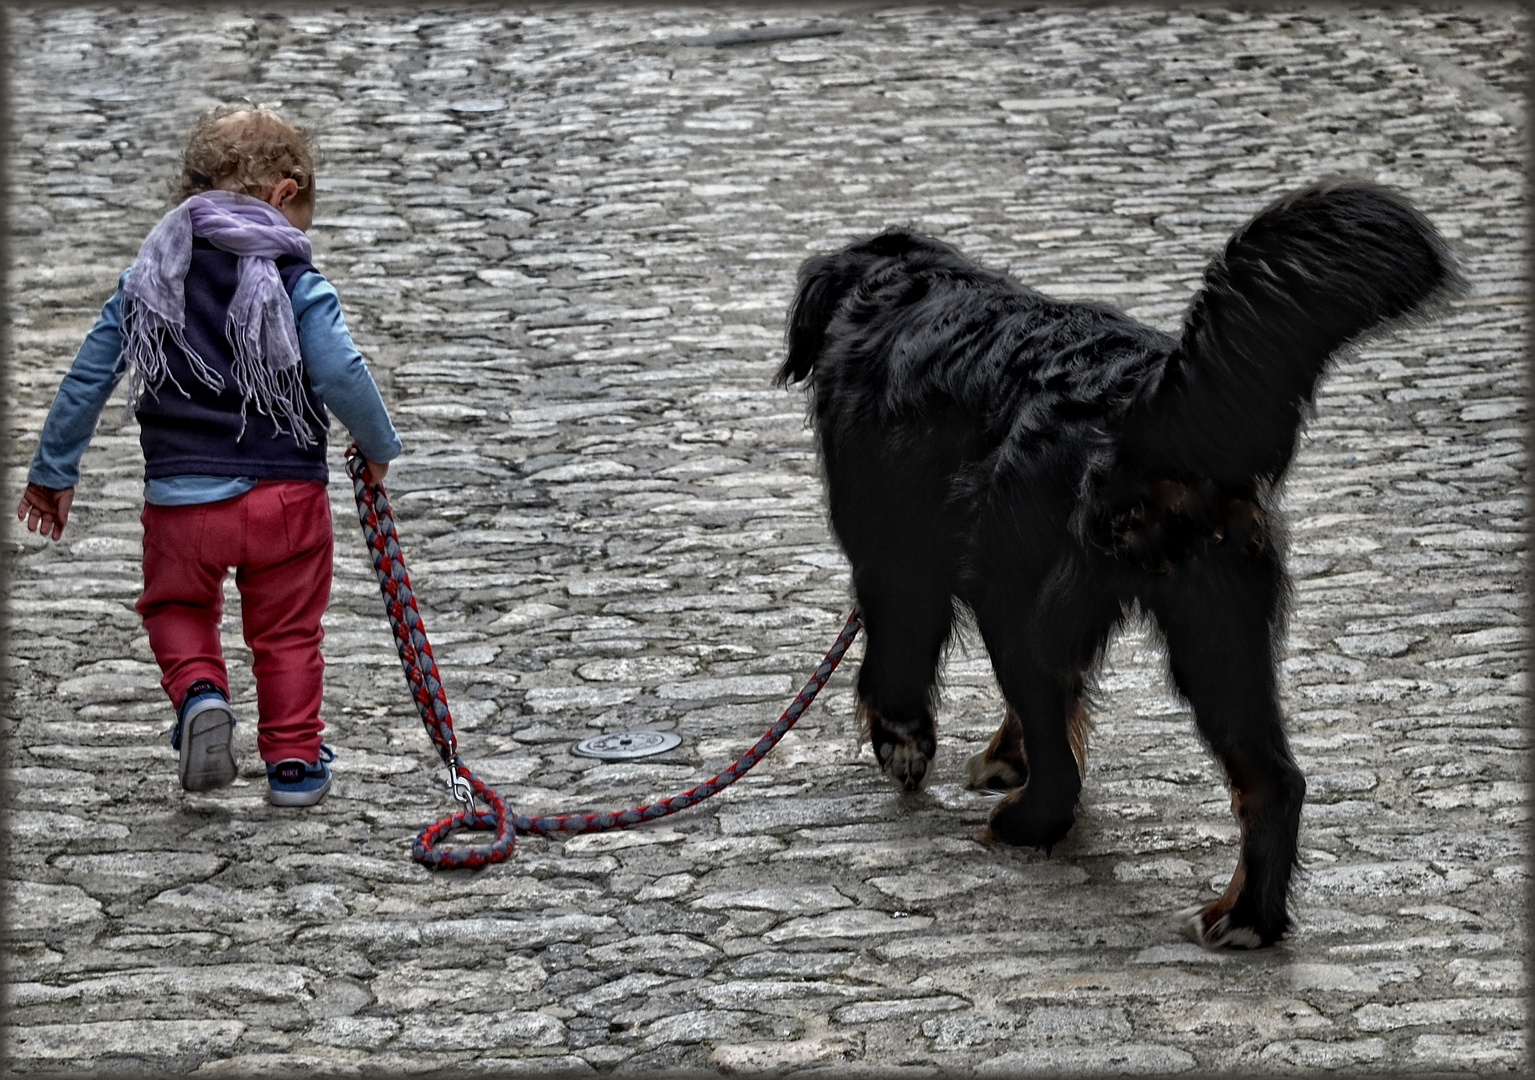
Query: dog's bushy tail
point(823, 283)
point(1312, 272)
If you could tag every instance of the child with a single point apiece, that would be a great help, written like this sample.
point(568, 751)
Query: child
point(234, 348)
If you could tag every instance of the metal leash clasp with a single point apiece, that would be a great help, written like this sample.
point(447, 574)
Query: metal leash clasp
point(460, 787)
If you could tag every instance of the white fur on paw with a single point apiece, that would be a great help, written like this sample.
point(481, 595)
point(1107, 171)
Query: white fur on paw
point(980, 773)
point(905, 762)
point(1220, 934)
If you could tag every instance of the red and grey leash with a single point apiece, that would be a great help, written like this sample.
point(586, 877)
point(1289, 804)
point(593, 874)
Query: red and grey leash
point(432, 702)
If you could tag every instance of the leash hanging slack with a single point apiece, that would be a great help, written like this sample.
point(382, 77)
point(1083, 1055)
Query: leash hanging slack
point(431, 700)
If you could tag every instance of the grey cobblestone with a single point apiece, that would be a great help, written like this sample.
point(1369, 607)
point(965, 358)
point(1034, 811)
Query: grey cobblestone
point(566, 237)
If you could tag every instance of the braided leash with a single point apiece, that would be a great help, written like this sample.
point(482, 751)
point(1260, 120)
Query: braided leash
point(432, 702)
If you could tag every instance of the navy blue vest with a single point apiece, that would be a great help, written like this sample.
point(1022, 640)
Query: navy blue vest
point(199, 432)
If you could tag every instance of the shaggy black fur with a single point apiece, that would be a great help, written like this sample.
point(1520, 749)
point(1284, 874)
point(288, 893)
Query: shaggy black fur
point(1053, 466)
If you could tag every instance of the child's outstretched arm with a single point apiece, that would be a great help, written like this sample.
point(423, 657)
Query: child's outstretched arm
point(71, 422)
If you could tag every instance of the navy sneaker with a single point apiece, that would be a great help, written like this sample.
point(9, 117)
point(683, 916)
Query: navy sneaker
point(295, 782)
point(204, 733)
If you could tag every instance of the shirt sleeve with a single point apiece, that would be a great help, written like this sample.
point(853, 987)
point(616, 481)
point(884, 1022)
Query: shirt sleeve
point(336, 369)
point(82, 395)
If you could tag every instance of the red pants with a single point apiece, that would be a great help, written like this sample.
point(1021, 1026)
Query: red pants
point(277, 536)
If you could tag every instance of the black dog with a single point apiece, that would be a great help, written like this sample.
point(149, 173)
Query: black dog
point(1055, 465)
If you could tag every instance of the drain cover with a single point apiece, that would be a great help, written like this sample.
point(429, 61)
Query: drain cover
point(622, 745)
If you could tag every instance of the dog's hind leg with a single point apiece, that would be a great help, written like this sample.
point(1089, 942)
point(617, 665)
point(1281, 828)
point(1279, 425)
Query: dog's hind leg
point(1041, 812)
point(1041, 653)
point(907, 618)
point(1220, 628)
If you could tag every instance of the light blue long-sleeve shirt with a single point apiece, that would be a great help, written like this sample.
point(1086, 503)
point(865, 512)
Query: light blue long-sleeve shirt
point(335, 368)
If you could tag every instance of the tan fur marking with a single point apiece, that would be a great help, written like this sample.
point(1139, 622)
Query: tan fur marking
point(1213, 912)
point(1003, 759)
point(1007, 744)
point(862, 722)
point(1078, 726)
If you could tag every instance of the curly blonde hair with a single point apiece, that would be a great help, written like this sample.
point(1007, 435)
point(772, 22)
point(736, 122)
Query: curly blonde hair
point(245, 148)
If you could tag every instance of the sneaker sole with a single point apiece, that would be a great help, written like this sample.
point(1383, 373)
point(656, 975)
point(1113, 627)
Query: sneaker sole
point(207, 749)
point(298, 798)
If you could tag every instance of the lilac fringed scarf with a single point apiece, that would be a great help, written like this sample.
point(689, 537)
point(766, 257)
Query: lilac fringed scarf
point(260, 328)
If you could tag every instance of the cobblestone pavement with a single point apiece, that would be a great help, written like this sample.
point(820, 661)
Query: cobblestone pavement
point(566, 238)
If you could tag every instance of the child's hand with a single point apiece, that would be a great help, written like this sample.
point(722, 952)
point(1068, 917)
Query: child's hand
point(376, 469)
point(45, 510)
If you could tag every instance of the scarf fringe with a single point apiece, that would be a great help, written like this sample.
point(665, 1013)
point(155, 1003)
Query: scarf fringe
point(145, 333)
point(278, 395)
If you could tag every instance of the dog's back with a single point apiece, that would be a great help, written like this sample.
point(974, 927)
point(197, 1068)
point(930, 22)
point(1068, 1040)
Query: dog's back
point(896, 330)
point(887, 325)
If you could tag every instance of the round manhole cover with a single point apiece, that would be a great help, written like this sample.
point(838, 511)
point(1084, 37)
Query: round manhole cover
point(622, 745)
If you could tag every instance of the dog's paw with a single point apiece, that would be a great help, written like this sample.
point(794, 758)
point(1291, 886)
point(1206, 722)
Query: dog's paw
point(1215, 929)
point(1021, 821)
point(992, 775)
point(908, 762)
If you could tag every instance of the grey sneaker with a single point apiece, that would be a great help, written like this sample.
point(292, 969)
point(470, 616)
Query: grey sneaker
point(204, 733)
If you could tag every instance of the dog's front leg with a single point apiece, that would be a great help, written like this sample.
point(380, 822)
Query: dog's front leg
point(904, 744)
point(1001, 766)
point(906, 633)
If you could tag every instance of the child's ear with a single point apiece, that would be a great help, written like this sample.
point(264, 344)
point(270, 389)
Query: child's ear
point(283, 192)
